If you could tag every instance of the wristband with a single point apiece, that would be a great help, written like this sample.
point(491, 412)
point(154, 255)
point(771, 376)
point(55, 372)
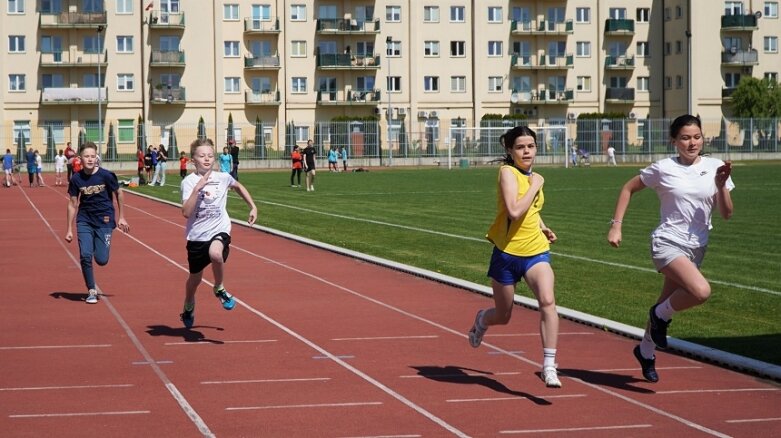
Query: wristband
point(614, 221)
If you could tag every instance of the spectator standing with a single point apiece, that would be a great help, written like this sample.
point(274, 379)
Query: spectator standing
point(70, 154)
point(162, 157)
point(333, 157)
point(59, 168)
point(611, 156)
point(310, 155)
point(235, 157)
point(38, 168)
point(343, 154)
point(296, 159)
point(8, 168)
point(32, 166)
point(226, 161)
point(183, 164)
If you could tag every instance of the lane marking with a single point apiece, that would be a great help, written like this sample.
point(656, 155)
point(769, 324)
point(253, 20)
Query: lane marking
point(633, 370)
point(697, 391)
point(229, 382)
point(509, 335)
point(576, 429)
point(342, 356)
point(384, 436)
point(463, 375)
point(314, 405)
point(489, 399)
point(754, 420)
point(47, 388)
point(259, 341)
point(144, 362)
point(508, 351)
point(44, 347)
point(78, 414)
point(384, 338)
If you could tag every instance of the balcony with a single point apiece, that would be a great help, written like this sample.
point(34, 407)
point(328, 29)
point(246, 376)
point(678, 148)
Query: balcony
point(270, 62)
point(166, 20)
point(619, 26)
point(73, 95)
point(169, 58)
point(726, 93)
point(257, 26)
point(543, 97)
point(346, 61)
point(262, 98)
point(541, 27)
point(623, 62)
point(347, 26)
point(349, 97)
point(72, 20)
point(739, 58)
point(167, 95)
point(555, 62)
point(619, 95)
point(739, 22)
point(72, 59)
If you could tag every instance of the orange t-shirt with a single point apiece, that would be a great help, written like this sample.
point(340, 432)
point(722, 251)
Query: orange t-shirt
point(76, 165)
point(297, 161)
point(183, 163)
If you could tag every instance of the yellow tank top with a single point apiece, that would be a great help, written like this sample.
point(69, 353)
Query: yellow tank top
point(523, 237)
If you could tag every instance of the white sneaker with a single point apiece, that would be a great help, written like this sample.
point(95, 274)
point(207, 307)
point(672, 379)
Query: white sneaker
point(92, 298)
point(476, 332)
point(550, 376)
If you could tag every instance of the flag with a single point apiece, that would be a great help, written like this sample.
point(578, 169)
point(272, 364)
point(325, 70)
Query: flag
point(149, 6)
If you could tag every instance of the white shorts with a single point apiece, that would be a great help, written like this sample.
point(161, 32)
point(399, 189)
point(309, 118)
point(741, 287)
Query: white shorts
point(8, 171)
point(664, 251)
point(59, 169)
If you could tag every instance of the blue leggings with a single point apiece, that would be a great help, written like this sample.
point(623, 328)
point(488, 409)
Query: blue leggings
point(93, 243)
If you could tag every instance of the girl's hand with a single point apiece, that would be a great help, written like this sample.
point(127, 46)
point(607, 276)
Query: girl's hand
point(722, 173)
point(550, 235)
point(614, 235)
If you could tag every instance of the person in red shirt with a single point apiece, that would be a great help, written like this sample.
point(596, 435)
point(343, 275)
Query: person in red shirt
point(140, 158)
point(295, 156)
point(77, 164)
point(183, 164)
point(69, 155)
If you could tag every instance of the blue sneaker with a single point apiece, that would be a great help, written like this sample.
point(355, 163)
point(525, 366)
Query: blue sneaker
point(188, 317)
point(647, 365)
point(658, 328)
point(225, 298)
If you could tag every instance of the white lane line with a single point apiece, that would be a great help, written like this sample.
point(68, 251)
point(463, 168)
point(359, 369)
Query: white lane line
point(613, 370)
point(48, 388)
point(505, 352)
point(229, 382)
point(78, 414)
point(575, 429)
point(383, 436)
point(511, 335)
point(704, 391)
point(339, 356)
point(314, 405)
point(754, 420)
point(172, 389)
point(384, 338)
point(464, 375)
point(45, 347)
point(517, 398)
point(256, 341)
point(145, 362)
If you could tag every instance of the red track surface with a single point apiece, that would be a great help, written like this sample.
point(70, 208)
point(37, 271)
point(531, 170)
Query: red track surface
point(318, 345)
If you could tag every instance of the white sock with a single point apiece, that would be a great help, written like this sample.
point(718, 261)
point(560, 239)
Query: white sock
point(548, 357)
point(647, 346)
point(665, 310)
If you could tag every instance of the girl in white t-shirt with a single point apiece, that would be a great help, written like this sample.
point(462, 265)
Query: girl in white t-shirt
point(689, 186)
point(59, 168)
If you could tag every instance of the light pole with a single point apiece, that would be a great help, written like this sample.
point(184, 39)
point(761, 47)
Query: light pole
point(388, 52)
point(100, 89)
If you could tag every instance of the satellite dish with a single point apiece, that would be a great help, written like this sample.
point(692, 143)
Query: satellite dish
point(514, 98)
point(758, 14)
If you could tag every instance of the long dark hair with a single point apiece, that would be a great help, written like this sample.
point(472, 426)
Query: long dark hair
point(507, 140)
point(681, 121)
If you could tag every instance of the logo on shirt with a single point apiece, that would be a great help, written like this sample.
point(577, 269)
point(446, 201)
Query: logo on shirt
point(91, 190)
point(704, 172)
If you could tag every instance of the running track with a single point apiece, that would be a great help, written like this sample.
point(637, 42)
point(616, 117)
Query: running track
point(319, 345)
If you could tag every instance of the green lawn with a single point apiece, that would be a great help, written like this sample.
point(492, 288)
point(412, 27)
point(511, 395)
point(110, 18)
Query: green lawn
point(436, 219)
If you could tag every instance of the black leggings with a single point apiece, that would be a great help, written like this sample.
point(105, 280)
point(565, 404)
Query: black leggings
point(295, 172)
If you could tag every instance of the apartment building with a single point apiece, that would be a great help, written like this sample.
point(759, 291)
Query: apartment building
point(95, 65)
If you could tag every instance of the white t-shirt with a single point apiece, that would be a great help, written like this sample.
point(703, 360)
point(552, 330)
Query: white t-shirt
point(59, 162)
point(611, 152)
point(687, 195)
point(210, 216)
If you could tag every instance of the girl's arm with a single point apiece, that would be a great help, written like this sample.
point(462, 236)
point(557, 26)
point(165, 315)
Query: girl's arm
point(723, 197)
point(188, 207)
point(517, 207)
point(631, 187)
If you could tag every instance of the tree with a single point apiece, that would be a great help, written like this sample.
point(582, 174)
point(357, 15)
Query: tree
point(760, 101)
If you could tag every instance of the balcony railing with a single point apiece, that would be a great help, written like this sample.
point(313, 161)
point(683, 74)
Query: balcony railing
point(270, 62)
point(72, 59)
point(541, 27)
point(73, 95)
point(167, 58)
point(346, 61)
point(543, 96)
point(619, 95)
point(619, 26)
point(349, 97)
point(173, 95)
point(166, 20)
point(549, 62)
point(726, 92)
point(85, 20)
point(739, 22)
point(262, 97)
point(740, 57)
point(347, 26)
point(255, 25)
point(623, 62)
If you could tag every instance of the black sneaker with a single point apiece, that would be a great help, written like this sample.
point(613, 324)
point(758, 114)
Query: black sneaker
point(647, 365)
point(658, 328)
point(188, 318)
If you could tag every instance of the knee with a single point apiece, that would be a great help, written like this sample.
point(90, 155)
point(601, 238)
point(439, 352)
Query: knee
point(502, 318)
point(701, 292)
point(101, 261)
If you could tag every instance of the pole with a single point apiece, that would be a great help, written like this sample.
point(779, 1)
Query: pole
point(388, 51)
point(100, 89)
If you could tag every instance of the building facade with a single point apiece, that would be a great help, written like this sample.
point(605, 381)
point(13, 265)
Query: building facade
point(97, 66)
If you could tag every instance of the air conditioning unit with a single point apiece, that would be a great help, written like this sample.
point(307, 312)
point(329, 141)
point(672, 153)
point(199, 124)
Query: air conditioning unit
point(401, 111)
point(571, 116)
point(433, 114)
point(422, 114)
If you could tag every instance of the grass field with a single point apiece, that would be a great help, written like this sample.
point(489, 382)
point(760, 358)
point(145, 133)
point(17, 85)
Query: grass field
point(436, 219)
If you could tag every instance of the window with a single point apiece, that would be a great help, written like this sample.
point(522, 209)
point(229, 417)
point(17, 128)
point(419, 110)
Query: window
point(678, 81)
point(583, 49)
point(125, 82)
point(668, 48)
point(458, 84)
point(231, 49)
point(16, 43)
point(642, 49)
point(364, 83)
point(327, 12)
point(457, 14)
point(666, 14)
point(171, 79)
point(732, 79)
point(678, 12)
point(16, 83)
point(169, 43)
point(58, 131)
point(261, 12)
point(297, 12)
point(16, 6)
point(52, 6)
point(617, 13)
point(364, 48)
point(733, 8)
point(494, 14)
point(431, 14)
point(126, 131)
point(495, 83)
point(521, 14)
point(231, 85)
point(643, 15)
point(91, 44)
point(772, 76)
point(770, 44)
point(668, 82)
point(584, 83)
point(261, 85)
point(298, 49)
point(457, 48)
point(298, 85)
point(494, 48)
point(393, 14)
point(22, 127)
point(124, 6)
point(394, 84)
point(327, 85)
point(521, 83)
point(582, 15)
point(124, 44)
point(678, 47)
point(641, 129)
point(771, 9)
point(230, 11)
point(393, 49)
point(52, 80)
point(302, 133)
point(431, 48)
point(90, 6)
point(431, 84)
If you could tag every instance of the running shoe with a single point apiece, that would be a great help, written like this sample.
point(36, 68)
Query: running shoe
point(188, 317)
point(477, 331)
point(550, 376)
point(658, 328)
point(225, 298)
point(92, 297)
point(647, 365)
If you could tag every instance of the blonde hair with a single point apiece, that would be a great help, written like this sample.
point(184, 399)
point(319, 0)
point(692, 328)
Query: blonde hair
point(200, 142)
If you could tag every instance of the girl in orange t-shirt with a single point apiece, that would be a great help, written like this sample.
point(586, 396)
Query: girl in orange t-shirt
point(297, 160)
point(183, 164)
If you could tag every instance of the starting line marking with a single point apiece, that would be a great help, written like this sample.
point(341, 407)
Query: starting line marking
point(79, 414)
point(319, 405)
point(44, 388)
point(464, 375)
point(44, 347)
point(228, 382)
point(576, 429)
point(384, 338)
point(490, 399)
